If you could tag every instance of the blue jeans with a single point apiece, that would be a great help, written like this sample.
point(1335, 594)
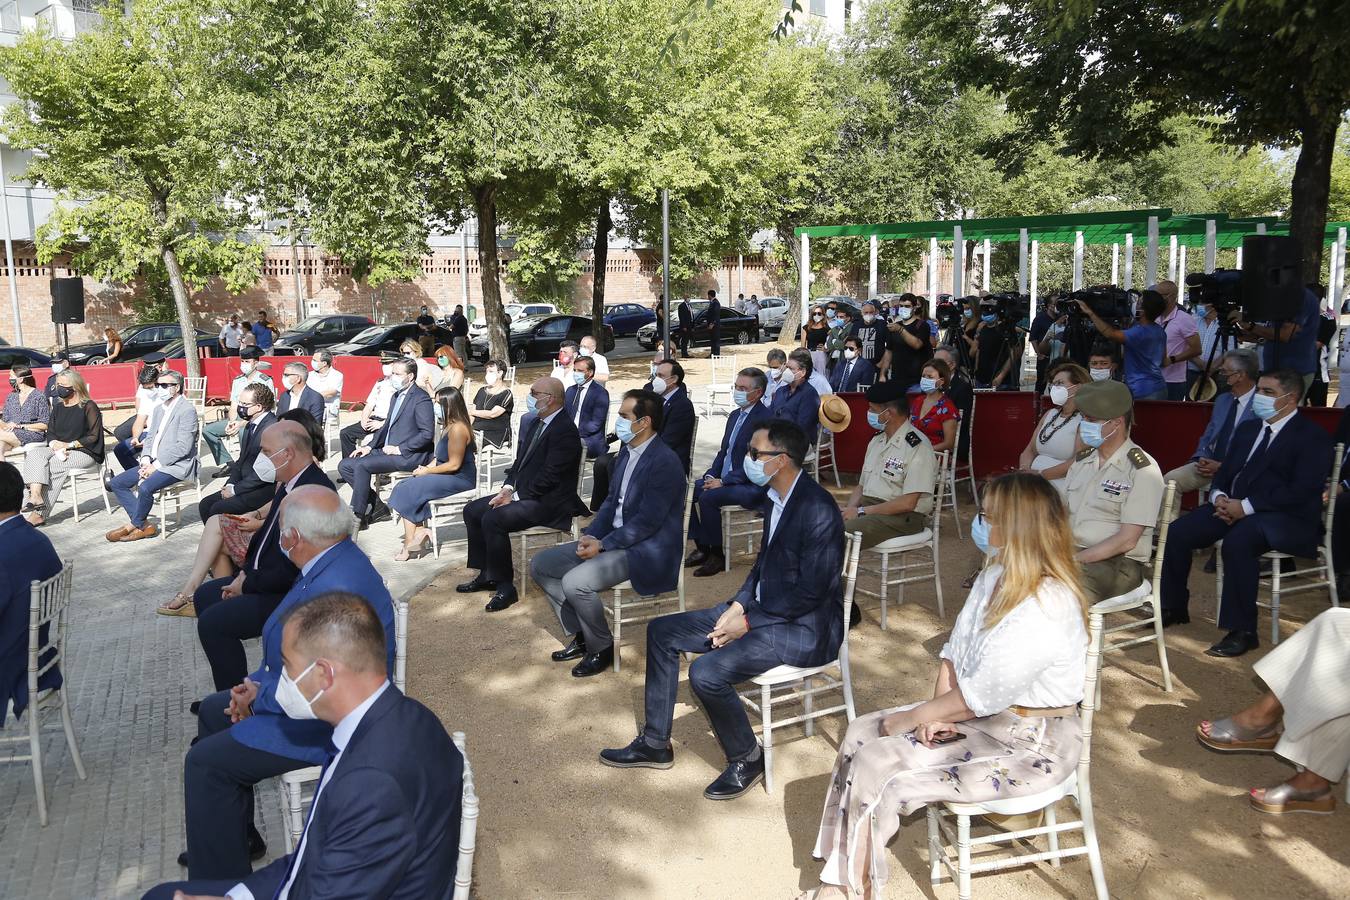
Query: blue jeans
point(705, 519)
point(712, 677)
point(126, 453)
point(139, 502)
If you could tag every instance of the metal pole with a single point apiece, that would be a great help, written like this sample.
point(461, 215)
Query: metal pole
point(9, 255)
point(1339, 287)
point(958, 263)
point(1035, 265)
point(1022, 261)
point(665, 270)
point(985, 283)
point(872, 269)
point(1181, 273)
point(933, 289)
point(1171, 259)
point(1211, 245)
point(1151, 256)
point(806, 280)
point(1238, 264)
point(740, 273)
point(1078, 260)
point(1115, 263)
point(1129, 261)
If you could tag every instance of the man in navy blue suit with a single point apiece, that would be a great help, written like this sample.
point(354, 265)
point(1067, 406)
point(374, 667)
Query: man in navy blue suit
point(634, 536)
point(404, 442)
point(26, 555)
point(725, 484)
point(854, 369)
point(297, 394)
point(789, 611)
point(587, 405)
point(1238, 371)
point(677, 425)
point(386, 813)
point(1267, 495)
point(243, 736)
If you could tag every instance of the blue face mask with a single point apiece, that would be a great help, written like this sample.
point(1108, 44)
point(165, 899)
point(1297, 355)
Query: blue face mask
point(530, 404)
point(968, 313)
point(1091, 433)
point(578, 377)
point(988, 318)
point(1264, 407)
point(754, 470)
point(927, 384)
point(832, 321)
point(740, 398)
point(1201, 310)
point(979, 533)
point(874, 419)
point(623, 430)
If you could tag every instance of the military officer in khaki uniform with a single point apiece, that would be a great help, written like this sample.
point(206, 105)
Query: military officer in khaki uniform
point(1114, 491)
point(894, 496)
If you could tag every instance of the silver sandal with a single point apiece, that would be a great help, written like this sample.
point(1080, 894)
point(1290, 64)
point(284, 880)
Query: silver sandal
point(1226, 736)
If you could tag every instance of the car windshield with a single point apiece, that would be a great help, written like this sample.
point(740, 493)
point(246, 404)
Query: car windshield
point(370, 335)
point(173, 348)
point(308, 324)
point(525, 323)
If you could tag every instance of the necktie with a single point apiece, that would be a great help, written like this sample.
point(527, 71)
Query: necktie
point(1225, 431)
point(731, 445)
point(1240, 483)
point(293, 866)
point(393, 414)
point(272, 516)
point(535, 435)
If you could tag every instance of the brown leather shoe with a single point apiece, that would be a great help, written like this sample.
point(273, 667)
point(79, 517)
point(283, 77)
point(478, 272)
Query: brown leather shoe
point(139, 534)
point(118, 533)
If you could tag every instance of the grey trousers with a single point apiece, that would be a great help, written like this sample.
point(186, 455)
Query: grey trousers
point(42, 466)
point(573, 587)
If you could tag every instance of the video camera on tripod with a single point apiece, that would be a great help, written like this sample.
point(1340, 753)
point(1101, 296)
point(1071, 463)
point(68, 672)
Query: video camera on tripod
point(1112, 304)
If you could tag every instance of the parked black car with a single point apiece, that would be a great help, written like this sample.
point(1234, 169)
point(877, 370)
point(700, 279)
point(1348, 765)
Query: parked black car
point(538, 337)
point(734, 327)
point(137, 341)
point(207, 345)
point(377, 339)
point(22, 356)
point(320, 331)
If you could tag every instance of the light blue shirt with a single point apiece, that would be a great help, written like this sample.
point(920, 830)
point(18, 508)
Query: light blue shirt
point(775, 514)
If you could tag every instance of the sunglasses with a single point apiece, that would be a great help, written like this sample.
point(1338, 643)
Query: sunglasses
point(758, 454)
point(166, 384)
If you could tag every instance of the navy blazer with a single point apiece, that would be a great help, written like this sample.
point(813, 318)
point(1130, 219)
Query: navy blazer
point(414, 431)
point(26, 555)
point(685, 313)
point(266, 569)
point(861, 372)
point(1285, 486)
point(387, 822)
point(242, 475)
point(549, 472)
point(594, 412)
point(757, 413)
point(311, 401)
point(344, 567)
point(801, 407)
point(799, 576)
point(677, 426)
point(652, 529)
point(1214, 442)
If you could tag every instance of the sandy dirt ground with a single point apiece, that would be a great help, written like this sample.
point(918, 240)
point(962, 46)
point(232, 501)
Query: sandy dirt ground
point(1172, 817)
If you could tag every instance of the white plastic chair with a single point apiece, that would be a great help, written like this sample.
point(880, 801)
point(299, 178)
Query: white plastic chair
point(195, 390)
point(738, 522)
point(964, 470)
point(644, 608)
point(822, 455)
point(48, 603)
point(468, 825)
point(545, 533)
point(1309, 579)
point(949, 476)
point(720, 388)
point(927, 539)
point(791, 684)
point(77, 477)
point(955, 854)
point(171, 498)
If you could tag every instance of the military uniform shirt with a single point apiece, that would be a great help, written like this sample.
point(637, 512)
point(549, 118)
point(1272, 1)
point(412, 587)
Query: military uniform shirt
point(902, 464)
point(1127, 490)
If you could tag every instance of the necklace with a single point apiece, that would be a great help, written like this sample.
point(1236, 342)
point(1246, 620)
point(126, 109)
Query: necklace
point(1047, 432)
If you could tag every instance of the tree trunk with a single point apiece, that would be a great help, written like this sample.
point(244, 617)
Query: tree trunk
point(159, 207)
point(1310, 191)
point(793, 319)
point(485, 205)
point(603, 224)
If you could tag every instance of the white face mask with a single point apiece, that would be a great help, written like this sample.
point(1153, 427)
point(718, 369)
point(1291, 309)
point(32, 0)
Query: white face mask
point(247, 367)
point(289, 381)
point(789, 375)
point(659, 385)
point(264, 468)
point(1059, 394)
point(386, 370)
point(289, 697)
point(849, 353)
point(314, 364)
point(1100, 374)
point(58, 368)
point(869, 318)
point(586, 351)
point(491, 377)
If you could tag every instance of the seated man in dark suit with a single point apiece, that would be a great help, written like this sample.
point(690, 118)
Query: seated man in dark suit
point(244, 489)
point(853, 370)
point(635, 536)
point(26, 555)
point(1238, 372)
point(587, 405)
point(797, 401)
point(404, 442)
point(1267, 495)
point(725, 484)
point(230, 611)
point(677, 427)
point(540, 489)
point(789, 611)
point(243, 735)
point(297, 394)
point(1340, 525)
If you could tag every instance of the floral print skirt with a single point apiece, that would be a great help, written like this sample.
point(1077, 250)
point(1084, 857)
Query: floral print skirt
point(879, 779)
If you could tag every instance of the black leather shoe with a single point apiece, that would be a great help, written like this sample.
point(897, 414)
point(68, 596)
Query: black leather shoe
point(194, 707)
point(1211, 564)
point(107, 480)
point(736, 779)
point(639, 755)
point(594, 663)
point(379, 513)
point(854, 617)
point(713, 564)
point(500, 600)
point(257, 849)
point(478, 583)
point(218, 473)
point(1173, 617)
point(695, 558)
point(1235, 643)
point(575, 650)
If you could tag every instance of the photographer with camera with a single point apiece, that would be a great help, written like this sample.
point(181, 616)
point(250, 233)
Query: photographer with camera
point(1291, 345)
point(998, 342)
point(1145, 345)
point(962, 337)
point(908, 346)
point(1214, 343)
point(1183, 341)
point(1046, 333)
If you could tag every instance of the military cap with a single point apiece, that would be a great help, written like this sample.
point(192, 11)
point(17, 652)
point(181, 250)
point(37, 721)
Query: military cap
point(1103, 399)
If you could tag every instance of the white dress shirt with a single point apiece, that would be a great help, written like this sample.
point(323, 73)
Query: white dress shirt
point(328, 381)
point(820, 383)
point(581, 399)
point(778, 504)
point(153, 455)
point(601, 365)
point(634, 453)
point(1275, 428)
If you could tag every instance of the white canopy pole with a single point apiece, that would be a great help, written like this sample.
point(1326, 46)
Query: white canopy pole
point(1035, 265)
point(1260, 227)
point(872, 270)
point(1022, 261)
point(1078, 260)
point(958, 263)
point(1151, 256)
point(9, 257)
point(1171, 259)
point(933, 289)
point(806, 280)
point(1115, 263)
point(740, 272)
point(1211, 245)
point(1180, 280)
point(1238, 265)
point(1338, 289)
point(1129, 261)
point(985, 283)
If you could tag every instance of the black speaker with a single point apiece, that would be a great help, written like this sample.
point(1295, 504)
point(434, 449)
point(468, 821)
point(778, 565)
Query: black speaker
point(1272, 278)
point(68, 301)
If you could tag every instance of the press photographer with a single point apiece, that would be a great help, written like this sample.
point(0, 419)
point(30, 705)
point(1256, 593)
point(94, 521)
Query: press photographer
point(1145, 342)
point(999, 340)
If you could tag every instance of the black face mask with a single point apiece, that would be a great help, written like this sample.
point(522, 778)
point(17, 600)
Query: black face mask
point(65, 393)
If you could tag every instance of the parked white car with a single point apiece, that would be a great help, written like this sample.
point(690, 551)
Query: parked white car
point(772, 310)
point(478, 327)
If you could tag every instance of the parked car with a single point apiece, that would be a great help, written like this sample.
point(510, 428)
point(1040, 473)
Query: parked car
point(137, 341)
point(378, 339)
point(735, 328)
point(772, 311)
point(319, 331)
point(538, 337)
point(22, 356)
point(207, 345)
point(627, 318)
point(478, 328)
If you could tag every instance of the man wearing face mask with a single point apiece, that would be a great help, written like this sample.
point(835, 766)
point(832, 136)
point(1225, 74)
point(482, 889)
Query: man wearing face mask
point(244, 491)
point(775, 360)
point(60, 363)
point(1114, 491)
point(587, 350)
point(908, 346)
point(842, 327)
point(725, 482)
point(327, 381)
point(297, 394)
point(1237, 372)
point(635, 536)
point(375, 410)
point(894, 496)
point(243, 733)
point(404, 442)
point(677, 425)
point(168, 455)
point(567, 352)
point(587, 404)
point(540, 489)
point(1267, 495)
point(228, 426)
point(854, 370)
point(872, 336)
point(799, 402)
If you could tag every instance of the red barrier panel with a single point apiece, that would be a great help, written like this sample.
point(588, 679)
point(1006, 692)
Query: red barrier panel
point(1003, 424)
point(850, 445)
point(115, 383)
point(359, 373)
point(1168, 431)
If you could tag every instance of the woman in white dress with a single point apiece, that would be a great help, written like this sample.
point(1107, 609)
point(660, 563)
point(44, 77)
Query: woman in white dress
point(1054, 442)
point(1003, 720)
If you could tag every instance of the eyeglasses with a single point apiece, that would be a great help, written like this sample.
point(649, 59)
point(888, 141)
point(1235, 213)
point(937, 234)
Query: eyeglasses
point(757, 454)
point(166, 384)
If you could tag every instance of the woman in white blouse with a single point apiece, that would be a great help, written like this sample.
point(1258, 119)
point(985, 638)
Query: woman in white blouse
point(1003, 721)
point(1054, 442)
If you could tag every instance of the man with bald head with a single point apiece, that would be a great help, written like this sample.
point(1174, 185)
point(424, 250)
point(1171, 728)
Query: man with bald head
point(243, 736)
point(540, 489)
point(229, 611)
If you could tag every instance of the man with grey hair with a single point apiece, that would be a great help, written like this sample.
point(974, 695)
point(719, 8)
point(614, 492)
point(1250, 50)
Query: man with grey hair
point(1239, 370)
point(168, 456)
point(327, 381)
point(297, 394)
point(775, 360)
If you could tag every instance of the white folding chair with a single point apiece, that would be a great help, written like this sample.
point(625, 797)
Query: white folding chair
point(1147, 596)
point(544, 533)
point(955, 854)
point(170, 499)
point(791, 684)
point(195, 390)
point(510, 377)
point(644, 608)
point(964, 470)
point(1305, 579)
point(738, 522)
point(468, 825)
point(949, 477)
point(48, 603)
point(720, 388)
point(911, 573)
point(77, 477)
point(822, 455)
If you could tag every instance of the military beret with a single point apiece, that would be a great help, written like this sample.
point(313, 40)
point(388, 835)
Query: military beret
point(885, 392)
point(250, 353)
point(1104, 399)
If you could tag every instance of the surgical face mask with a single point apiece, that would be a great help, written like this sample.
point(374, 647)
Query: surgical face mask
point(264, 468)
point(586, 351)
point(387, 370)
point(906, 312)
point(289, 697)
point(874, 420)
point(161, 393)
point(1100, 374)
point(578, 377)
point(789, 375)
point(58, 368)
point(531, 405)
point(988, 318)
point(623, 430)
point(1091, 433)
point(491, 376)
point(968, 313)
point(315, 364)
point(754, 470)
point(399, 382)
point(440, 413)
point(1201, 310)
point(659, 385)
point(832, 322)
point(442, 361)
point(1059, 394)
point(1263, 406)
point(65, 393)
point(411, 354)
point(979, 533)
point(289, 381)
point(927, 385)
point(869, 318)
point(850, 353)
point(740, 398)
point(817, 317)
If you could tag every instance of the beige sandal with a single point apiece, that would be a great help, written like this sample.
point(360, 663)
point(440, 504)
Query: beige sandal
point(1227, 736)
point(180, 605)
point(1285, 798)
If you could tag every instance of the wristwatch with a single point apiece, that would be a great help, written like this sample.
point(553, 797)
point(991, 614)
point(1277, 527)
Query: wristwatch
point(862, 511)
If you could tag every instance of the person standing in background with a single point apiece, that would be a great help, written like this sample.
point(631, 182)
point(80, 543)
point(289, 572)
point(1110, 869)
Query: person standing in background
point(230, 336)
point(459, 331)
point(714, 322)
point(263, 331)
point(1326, 338)
point(1183, 341)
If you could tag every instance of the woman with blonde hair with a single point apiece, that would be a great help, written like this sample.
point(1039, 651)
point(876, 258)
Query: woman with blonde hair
point(1003, 720)
point(74, 441)
point(451, 366)
point(428, 375)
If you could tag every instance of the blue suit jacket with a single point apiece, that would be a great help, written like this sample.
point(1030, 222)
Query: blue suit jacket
point(1214, 442)
point(801, 407)
point(414, 431)
point(798, 574)
point(862, 372)
point(594, 411)
point(1285, 484)
point(677, 426)
point(343, 568)
point(26, 555)
point(387, 822)
point(652, 518)
point(757, 413)
point(311, 401)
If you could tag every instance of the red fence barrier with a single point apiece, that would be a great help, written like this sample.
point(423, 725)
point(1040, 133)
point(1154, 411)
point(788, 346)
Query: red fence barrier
point(359, 373)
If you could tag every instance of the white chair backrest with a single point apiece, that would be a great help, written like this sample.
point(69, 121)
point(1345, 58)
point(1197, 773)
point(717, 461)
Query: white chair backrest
point(852, 550)
point(195, 390)
point(401, 643)
point(511, 376)
point(468, 825)
point(1334, 488)
point(47, 607)
point(581, 467)
point(1089, 704)
point(939, 490)
point(1160, 536)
